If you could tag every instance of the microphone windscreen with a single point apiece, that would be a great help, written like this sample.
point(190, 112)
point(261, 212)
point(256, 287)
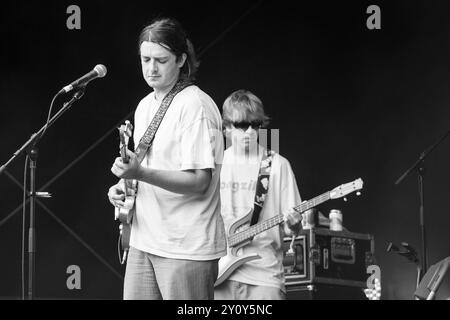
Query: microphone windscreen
point(101, 70)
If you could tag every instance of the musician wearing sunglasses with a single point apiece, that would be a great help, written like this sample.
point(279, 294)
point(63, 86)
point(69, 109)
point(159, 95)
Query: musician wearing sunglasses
point(251, 173)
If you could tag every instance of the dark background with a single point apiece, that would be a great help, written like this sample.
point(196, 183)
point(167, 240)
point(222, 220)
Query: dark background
point(349, 102)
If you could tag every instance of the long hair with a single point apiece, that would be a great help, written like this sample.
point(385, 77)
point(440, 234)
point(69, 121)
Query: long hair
point(169, 33)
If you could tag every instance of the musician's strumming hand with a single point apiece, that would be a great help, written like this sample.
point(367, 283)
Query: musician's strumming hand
point(292, 222)
point(128, 170)
point(116, 194)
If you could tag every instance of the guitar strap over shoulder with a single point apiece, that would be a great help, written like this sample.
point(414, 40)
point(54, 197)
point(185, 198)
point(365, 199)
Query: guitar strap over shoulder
point(147, 139)
point(262, 186)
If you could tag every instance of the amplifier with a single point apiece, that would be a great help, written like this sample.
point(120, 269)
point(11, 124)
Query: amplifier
point(322, 256)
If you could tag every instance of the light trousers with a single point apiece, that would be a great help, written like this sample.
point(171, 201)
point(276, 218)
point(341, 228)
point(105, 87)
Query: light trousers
point(151, 277)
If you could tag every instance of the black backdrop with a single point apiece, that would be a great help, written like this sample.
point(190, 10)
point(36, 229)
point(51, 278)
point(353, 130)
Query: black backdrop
point(349, 102)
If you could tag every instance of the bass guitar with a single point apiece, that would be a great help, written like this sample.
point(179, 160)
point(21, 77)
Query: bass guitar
point(236, 240)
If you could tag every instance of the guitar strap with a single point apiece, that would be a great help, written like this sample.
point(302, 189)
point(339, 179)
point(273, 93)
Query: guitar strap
point(147, 139)
point(262, 186)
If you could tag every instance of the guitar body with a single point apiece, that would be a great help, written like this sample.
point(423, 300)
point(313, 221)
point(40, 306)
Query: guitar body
point(125, 216)
point(125, 233)
point(229, 263)
point(125, 213)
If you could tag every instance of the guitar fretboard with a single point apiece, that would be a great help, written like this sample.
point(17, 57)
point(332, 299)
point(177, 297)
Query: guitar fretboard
point(269, 223)
point(123, 154)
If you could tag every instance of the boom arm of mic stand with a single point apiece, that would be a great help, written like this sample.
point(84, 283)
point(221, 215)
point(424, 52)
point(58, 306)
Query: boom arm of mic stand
point(35, 137)
point(422, 157)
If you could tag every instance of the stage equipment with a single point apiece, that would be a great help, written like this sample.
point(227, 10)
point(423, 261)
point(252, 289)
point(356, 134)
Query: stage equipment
point(326, 264)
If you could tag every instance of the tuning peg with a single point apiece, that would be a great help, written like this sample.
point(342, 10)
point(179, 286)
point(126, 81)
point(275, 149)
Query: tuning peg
point(358, 193)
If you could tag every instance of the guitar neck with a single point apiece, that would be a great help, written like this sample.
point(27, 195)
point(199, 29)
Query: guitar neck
point(125, 159)
point(123, 154)
point(313, 202)
point(272, 222)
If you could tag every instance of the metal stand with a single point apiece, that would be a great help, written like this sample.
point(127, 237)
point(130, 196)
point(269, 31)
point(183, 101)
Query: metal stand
point(421, 178)
point(419, 166)
point(32, 153)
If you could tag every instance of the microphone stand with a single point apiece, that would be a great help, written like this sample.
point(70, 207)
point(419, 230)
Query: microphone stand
point(419, 166)
point(32, 152)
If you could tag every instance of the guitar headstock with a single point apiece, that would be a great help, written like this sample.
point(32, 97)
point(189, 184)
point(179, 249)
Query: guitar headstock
point(346, 189)
point(125, 133)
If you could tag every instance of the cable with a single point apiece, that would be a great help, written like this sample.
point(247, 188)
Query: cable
point(49, 115)
point(23, 223)
point(119, 241)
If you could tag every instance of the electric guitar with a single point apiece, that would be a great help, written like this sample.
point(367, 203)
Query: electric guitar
point(125, 214)
point(229, 263)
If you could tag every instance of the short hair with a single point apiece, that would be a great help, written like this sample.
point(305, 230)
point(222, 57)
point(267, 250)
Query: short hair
point(242, 105)
point(170, 34)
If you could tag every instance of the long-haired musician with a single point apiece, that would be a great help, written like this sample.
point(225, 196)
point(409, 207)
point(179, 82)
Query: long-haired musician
point(177, 233)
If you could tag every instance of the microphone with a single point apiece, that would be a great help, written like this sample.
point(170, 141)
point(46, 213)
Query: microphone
point(98, 72)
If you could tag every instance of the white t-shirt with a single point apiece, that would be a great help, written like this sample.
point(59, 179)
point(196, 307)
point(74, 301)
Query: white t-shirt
point(237, 191)
point(169, 224)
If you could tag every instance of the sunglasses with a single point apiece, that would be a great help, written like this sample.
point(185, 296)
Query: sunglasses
point(244, 125)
